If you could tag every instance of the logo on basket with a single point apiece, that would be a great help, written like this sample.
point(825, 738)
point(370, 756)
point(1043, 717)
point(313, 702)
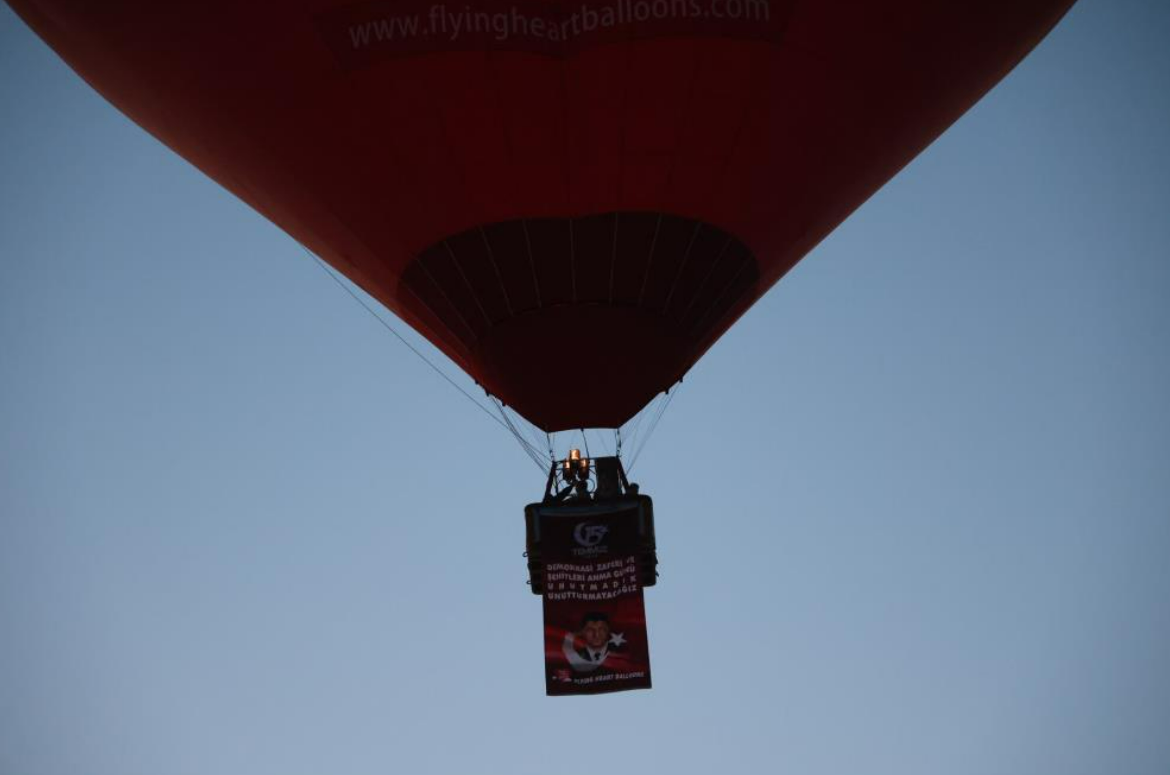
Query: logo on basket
point(589, 537)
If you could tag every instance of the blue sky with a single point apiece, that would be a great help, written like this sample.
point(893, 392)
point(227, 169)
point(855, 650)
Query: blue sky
point(913, 510)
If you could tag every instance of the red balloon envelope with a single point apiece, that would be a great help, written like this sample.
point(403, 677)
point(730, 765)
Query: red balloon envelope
point(573, 200)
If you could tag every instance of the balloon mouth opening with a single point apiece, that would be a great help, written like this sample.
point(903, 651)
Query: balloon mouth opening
point(579, 322)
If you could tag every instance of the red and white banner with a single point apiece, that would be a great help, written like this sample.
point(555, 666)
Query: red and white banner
point(594, 619)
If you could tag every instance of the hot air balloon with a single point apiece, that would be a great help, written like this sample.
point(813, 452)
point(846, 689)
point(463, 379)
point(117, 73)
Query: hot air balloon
point(572, 199)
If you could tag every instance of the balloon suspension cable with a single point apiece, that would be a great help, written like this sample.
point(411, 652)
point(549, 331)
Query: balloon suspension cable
point(533, 435)
point(506, 425)
point(635, 423)
point(670, 394)
point(525, 445)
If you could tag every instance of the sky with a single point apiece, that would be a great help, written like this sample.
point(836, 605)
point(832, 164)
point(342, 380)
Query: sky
point(913, 510)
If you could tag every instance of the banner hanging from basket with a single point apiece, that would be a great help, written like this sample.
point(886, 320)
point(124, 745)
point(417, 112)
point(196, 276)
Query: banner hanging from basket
point(594, 618)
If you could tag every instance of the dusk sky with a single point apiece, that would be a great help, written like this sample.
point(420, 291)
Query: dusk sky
point(913, 510)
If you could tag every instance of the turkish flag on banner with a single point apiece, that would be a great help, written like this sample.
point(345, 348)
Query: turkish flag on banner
point(594, 620)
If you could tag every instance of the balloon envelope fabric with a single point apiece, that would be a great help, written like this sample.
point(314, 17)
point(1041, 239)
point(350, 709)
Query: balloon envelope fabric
point(572, 200)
